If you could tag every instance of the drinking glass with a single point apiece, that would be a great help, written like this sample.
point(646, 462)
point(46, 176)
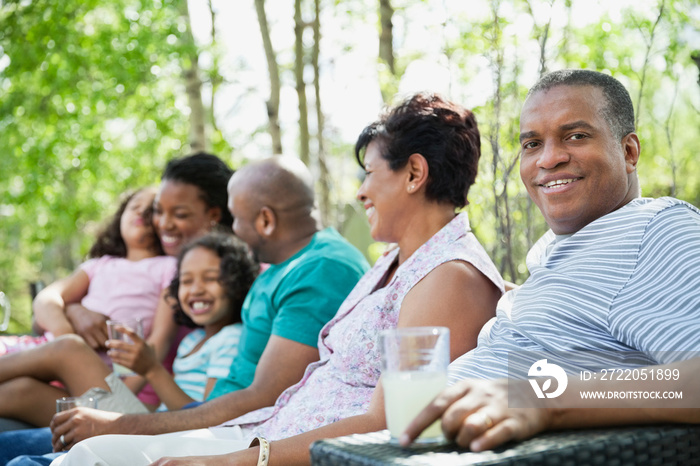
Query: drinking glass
point(70, 402)
point(414, 371)
point(5, 308)
point(116, 334)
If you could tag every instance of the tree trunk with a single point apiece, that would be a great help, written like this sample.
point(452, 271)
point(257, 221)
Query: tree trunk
point(386, 34)
point(193, 85)
point(669, 140)
point(299, 27)
point(324, 175)
point(214, 77)
point(543, 32)
point(273, 103)
point(649, 44)
point(388, 78)
point(498, 165)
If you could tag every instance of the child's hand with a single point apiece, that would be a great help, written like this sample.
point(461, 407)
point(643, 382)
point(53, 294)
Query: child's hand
point(137, 356)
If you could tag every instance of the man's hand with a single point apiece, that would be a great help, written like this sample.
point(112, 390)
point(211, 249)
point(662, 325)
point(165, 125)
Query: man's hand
point(90, 325)
point(72, 426)
point(475, 414)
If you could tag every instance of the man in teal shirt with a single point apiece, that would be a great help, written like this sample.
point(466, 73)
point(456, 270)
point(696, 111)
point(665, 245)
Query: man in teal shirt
point(285, 301)
point(311, 273)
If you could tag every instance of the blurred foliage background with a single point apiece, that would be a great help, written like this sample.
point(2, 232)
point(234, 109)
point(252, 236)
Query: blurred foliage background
point(96, 96)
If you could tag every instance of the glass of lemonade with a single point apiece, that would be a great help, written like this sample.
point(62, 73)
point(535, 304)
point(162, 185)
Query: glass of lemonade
point(414, 371)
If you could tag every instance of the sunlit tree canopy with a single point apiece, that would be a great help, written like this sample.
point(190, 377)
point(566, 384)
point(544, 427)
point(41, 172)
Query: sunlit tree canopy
point(95, 97)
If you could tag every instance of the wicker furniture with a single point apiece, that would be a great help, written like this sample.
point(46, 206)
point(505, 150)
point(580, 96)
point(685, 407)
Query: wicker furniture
point(648, 445)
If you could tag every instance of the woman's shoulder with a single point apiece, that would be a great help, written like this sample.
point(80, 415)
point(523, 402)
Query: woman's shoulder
point(473, 253)
point(455, 251)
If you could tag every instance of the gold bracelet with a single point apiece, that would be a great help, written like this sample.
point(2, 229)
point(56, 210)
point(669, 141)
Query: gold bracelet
point(264, 455)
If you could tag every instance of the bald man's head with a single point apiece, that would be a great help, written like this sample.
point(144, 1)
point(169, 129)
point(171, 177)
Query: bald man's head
point(272, 201)
point(283, 183)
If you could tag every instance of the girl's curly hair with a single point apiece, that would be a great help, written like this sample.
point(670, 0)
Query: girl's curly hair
point(109, 240)
point(238, 271)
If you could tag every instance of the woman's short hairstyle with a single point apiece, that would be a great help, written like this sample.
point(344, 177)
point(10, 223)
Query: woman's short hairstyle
point(444, 133)
point(109, 240)
point(207, 172)
point(238, 271)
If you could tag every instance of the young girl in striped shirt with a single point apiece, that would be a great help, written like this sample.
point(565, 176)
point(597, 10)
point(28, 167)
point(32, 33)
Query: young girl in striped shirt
point(213, 277)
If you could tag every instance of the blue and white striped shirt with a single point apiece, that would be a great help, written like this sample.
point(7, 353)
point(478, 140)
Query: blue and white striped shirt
point(211, 361)
point(626, 287)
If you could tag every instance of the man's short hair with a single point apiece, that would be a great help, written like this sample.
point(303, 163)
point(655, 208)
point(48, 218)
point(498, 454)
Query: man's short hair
point(619, 111)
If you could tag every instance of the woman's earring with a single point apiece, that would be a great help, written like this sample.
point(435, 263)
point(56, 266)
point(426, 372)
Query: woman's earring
point(411, 188)
point(213, 223)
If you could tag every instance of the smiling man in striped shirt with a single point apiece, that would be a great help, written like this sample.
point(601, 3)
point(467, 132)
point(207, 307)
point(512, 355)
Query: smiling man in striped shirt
point(614, 283)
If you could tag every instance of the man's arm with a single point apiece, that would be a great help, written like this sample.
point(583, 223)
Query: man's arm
point(281, 365)
point(476, 413)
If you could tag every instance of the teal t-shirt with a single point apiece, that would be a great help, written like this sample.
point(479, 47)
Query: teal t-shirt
point(294, 300)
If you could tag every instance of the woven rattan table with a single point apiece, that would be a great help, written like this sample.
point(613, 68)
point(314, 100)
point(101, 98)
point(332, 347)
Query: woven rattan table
point(648, 445)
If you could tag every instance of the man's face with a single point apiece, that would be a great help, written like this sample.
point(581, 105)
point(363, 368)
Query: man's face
point(244, 216)
point(573, 167)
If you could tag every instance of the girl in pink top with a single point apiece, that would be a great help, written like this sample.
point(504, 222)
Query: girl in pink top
point(126, 251)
